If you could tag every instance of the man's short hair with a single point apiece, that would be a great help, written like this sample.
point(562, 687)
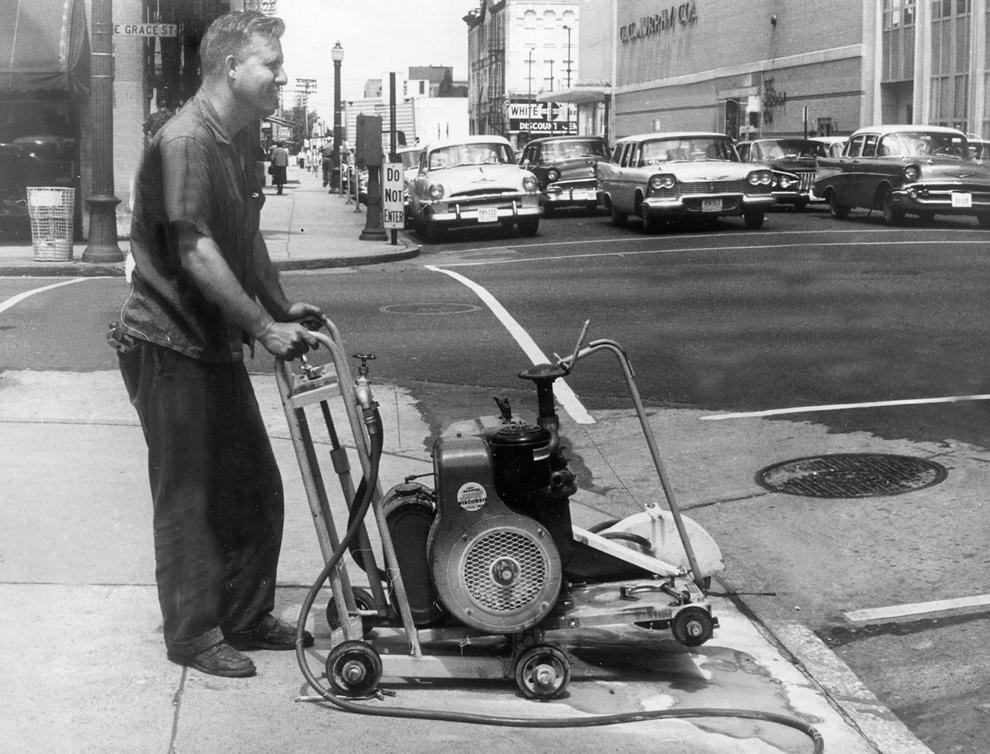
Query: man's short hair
point(231, 33)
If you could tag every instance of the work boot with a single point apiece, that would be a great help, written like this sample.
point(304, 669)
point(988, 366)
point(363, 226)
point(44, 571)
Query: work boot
point(220, 659)
point(271, 633)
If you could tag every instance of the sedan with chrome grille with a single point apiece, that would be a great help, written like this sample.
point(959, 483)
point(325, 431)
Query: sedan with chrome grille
point(661, 177)
point(565, 168)
point(789, 156)
point(906, 169)
point(472, 182)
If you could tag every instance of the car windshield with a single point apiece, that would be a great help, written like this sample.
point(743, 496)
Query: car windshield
point(690, 148)
point(410, 158)
point(470, 154)
point(923, 144)
point(784, 148)
point(564, 150)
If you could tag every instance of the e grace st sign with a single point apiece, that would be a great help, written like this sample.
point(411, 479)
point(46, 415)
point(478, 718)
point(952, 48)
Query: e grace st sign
point(393, 206)
point(146, 30)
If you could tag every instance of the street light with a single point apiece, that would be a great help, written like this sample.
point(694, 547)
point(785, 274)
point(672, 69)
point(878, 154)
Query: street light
point(337, 54)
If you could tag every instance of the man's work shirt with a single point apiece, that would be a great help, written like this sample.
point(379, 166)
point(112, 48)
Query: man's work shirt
point(192, 176)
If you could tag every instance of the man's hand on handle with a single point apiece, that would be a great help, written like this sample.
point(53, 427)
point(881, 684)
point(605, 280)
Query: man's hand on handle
point(287, 340)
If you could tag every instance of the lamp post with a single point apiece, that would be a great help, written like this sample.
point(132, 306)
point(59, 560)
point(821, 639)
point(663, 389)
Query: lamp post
point(337, 54)
point(102, 203)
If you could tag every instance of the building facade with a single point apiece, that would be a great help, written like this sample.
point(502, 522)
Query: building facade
point(754, 67)
point(519, 53)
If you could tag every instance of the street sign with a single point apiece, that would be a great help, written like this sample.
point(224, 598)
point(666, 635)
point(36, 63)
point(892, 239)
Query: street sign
point(146, 30)
point(393, 206)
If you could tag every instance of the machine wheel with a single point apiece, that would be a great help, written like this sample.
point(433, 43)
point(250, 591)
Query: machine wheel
point(528, 226)
point(838, 210)
point(753, 220)
point(891, 215)
point(618, 218)
point(692, 626)
point(363, 600)
point(542, 672)
point(354, 668)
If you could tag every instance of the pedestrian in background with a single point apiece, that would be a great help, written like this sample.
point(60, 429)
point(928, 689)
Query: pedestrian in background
point(280, 162)
point(328, 156)
point(203, 286)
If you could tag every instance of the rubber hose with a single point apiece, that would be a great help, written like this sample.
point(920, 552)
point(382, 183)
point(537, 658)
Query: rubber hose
point(589, 721)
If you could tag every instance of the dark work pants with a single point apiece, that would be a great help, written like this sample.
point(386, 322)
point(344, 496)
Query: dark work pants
point(217, 492)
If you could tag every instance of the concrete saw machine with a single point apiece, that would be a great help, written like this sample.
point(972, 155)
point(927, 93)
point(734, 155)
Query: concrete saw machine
point(487, 555)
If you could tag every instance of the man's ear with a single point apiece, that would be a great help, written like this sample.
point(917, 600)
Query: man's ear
point(230, 67)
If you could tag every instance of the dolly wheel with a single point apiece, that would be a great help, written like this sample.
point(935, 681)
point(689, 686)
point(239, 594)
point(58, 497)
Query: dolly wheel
point(363, 600)
point(692, 626)
point(354, 668)
point(542, 672)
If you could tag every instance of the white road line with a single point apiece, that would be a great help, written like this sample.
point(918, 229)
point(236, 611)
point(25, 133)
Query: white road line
point(845, 406)
point(686, 249)
point(567, 398)
point(14, 300)
point(916, 610)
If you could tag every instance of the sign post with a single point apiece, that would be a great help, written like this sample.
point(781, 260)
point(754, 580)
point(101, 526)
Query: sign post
point(393, 206)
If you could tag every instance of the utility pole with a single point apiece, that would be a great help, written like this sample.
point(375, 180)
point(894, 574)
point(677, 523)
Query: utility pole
point(303, 89)
point(568, 61)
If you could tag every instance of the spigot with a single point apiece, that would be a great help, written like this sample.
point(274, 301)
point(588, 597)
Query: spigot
point(362, 385)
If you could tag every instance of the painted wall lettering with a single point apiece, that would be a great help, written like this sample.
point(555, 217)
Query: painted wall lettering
point(666, 19)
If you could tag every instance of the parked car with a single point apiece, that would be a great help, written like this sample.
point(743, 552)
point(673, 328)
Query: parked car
point(900, 169)
point(565, 168)
point(691, 174)
point(470, 182)
point(409, 157)
point(790, 156)
point(979, 148)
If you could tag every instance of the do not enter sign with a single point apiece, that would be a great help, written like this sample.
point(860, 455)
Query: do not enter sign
point(393, 204)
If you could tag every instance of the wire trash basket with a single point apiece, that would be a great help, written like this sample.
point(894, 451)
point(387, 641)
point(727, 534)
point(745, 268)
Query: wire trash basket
point(51, 210)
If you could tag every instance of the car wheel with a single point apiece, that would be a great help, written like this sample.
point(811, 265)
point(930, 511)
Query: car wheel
point(926, 218)
point(528, 226)
point(753, 220)
point(837, 209)
point(652, 222)
point(984, 219)
point(548, 210)
point(618, 217)
point(891, 215)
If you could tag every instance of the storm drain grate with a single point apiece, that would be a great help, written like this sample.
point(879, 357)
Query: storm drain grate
point(851, 475)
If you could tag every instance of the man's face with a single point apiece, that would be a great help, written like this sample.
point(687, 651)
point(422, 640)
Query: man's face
point(260, 75)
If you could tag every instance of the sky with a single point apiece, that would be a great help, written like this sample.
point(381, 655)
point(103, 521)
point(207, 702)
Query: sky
point(378, 36)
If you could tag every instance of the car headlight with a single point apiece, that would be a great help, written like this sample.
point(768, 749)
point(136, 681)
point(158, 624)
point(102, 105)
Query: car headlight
point(912, 172)
point(662, 181)
point(785, 181)
point(760, 178)
point(552, 175)
point(529, 184)
point(436, 191)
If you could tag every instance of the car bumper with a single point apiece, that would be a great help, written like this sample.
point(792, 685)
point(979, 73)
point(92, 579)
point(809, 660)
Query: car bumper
point(702, 204)
point(463, 213)
point(962, 200)
point(560, 196)
point(791, 197)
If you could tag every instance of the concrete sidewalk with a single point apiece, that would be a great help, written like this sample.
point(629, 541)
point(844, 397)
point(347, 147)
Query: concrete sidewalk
point(305, 228)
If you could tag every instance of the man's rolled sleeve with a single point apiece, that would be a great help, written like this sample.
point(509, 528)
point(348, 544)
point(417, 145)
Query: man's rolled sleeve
point(186, 184)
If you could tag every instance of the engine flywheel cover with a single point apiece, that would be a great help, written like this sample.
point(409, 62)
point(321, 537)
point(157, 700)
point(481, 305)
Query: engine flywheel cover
point(502, 574)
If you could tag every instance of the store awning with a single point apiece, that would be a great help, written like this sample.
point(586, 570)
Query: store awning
point(579, 94)
point(44, 46)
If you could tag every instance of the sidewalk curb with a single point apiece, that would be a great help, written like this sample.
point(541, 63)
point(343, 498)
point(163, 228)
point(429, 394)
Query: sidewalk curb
point(116, 269)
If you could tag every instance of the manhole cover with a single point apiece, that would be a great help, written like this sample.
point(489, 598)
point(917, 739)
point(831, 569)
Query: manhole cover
point(430, 308)
point(851, 475)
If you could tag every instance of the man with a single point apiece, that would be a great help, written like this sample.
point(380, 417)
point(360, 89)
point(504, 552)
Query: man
point(328, 157)
point(280, 164)
point(202, 286)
